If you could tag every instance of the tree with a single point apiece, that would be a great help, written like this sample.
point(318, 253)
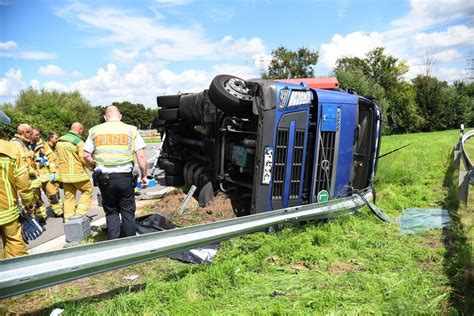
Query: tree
point(50, 111)
point(381, 75)
point(135, 114)
point(385, 70)
point(435, 99)
point(287, 64)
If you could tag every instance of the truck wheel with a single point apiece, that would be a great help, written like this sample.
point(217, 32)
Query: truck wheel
point(174, 180)
point(190, 107)
point(168, 101)
point(168, 114)
point(232, 95)
point(157, 123)
point(196, 175)
point(172, 167)
point(190, 173)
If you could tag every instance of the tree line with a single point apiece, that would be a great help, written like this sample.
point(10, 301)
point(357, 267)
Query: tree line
point(54, 111)
point(423, 103)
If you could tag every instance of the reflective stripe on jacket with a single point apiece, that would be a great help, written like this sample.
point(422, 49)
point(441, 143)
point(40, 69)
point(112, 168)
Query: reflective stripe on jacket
point(114, 143)
point(14, 180)
point(71, 164)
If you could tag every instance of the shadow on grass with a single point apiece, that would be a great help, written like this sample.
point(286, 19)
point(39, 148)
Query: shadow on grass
point(457, 259)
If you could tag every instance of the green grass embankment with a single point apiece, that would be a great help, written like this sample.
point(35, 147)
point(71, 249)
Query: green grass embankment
point(354, 264)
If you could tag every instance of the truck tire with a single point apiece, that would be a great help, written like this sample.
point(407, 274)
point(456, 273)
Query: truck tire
point(171, 167)
point(196, 175)
point(157, 123)
point(190, 107)
point(174, 180)
point(190, 173)
point(168, 101)
point(232, 95)
point(168, 114)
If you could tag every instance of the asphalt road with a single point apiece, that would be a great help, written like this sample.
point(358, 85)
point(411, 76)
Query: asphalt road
point(55, 226)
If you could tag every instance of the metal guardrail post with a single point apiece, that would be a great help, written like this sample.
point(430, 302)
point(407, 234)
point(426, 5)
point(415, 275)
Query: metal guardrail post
point(466, 170)
point(25, 274)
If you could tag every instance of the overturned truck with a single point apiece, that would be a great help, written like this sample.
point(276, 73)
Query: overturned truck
point(269, 144)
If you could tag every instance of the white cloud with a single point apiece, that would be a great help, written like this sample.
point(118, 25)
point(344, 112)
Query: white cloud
point(12, 83)
point(149, 39)
point(172, 2)
point(7, 45)
point(124, 55)
point(51, 70)
point(342, 7)
point(35, 84)
point(410, 39)
point(354, 44)
point(55, 86)
point(29, 55)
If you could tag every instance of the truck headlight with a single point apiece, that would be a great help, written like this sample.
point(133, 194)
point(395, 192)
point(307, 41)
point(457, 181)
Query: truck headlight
point(299, 97)
point(283, 97)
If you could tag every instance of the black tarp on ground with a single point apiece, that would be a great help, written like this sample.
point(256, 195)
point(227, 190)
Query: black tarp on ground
point(153, 223)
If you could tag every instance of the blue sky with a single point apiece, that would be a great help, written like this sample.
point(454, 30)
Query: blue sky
point(135, 50)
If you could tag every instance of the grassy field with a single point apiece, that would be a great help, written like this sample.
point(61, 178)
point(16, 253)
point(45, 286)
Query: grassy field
point(351, 265)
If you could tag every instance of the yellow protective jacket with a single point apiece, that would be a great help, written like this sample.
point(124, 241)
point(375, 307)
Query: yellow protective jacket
point(43, 149)
point(114, 143)
point(14, 180)
point(71, 164)
point(27, 155)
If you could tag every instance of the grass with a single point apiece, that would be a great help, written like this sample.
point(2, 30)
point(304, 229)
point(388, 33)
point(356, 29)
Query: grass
point(351, 265)
point(469, 147)
point(152, 139)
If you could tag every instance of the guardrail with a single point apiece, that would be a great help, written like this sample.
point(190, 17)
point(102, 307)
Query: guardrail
point(466, 171)
point(25, 274)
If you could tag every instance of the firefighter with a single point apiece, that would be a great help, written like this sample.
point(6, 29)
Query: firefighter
point(13, 182)
point(47, 172)
point(73, 172)
point(111, 148)
point(22, 142)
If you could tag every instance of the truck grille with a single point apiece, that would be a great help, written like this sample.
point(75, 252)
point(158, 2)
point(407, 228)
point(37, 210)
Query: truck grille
point(281, 153)
point(297, 164)
point(325, 165)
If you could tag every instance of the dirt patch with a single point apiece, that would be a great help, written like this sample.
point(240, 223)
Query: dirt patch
point(433, 243)
point(340, 268)
point(218, 209)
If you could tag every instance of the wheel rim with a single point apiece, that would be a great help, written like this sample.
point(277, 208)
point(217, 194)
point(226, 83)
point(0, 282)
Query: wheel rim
point(238, 88)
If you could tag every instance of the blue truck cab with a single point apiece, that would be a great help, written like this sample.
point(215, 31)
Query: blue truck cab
point(269, 144)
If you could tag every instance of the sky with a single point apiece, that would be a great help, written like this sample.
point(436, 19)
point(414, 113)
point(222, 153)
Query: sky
point(125, 50)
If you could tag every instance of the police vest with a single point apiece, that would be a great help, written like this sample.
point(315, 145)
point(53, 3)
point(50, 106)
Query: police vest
point(114, 143)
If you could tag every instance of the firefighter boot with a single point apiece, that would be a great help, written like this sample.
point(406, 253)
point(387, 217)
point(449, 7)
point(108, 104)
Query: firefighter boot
point(56, 205)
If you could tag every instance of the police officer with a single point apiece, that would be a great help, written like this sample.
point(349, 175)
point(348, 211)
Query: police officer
point(110, 149)
point(13, 182)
